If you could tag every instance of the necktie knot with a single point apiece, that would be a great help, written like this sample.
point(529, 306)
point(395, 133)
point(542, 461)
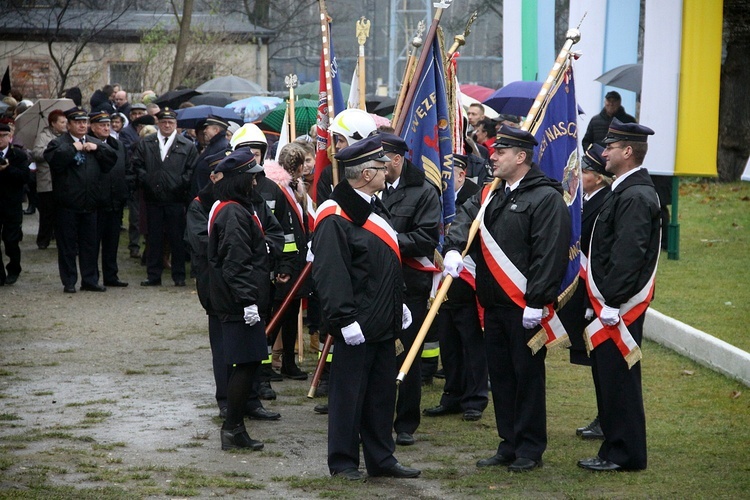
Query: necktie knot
point(390, 190)
point(507, 191)
point(165, 140)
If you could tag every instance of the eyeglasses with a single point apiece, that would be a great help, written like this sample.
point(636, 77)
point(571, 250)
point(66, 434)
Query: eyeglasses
point(376, 168)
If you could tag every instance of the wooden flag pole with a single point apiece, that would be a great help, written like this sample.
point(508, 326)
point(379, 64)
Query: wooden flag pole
point(326, 35)
point(411, 61)
point(363, 31)
point(291, 82)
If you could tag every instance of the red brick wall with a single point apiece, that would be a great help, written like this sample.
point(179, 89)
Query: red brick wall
point(33, 77)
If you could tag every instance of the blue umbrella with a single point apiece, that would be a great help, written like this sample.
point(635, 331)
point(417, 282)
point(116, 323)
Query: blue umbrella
point(253, 108)
point(516, 98)
point(190, 117)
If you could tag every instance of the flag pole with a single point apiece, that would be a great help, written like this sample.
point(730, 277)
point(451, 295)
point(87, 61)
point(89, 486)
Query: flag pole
point(408, 71)
point(363, 31)
point(326, 34)
point(441, 6)
point(291, 82)
point(571, 37)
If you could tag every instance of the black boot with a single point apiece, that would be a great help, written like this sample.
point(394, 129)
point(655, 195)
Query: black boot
point(238, 438)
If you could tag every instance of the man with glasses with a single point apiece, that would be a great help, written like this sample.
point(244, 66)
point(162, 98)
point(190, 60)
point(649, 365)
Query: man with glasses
point(620, 279)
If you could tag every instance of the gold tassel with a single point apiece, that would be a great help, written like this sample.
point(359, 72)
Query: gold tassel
point(399, 347)
point(587, 341)
point(561, 342)
point(538, 341)
point(633, 357)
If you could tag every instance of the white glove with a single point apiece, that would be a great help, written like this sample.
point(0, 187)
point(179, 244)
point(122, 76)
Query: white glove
point(309, 257)
point(531, 317)
point(453, 263)
point(251, 315)
point(609, 316)
point(589, 315)
point(353, 334)
point(406, 318)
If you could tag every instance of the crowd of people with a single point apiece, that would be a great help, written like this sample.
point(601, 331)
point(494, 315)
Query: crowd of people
point(251, 229)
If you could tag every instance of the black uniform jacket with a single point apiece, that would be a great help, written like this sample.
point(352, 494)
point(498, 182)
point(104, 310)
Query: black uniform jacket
point(238, 264)
point(77, 175)
point(532, 226)
point(114, 189)
point(202, 172)
point(625, 242)
point(415, 215)
point(357, 275)
point(599, 126)
point(165, 181)
point(461, 293)
point(196, 236)
point(14, 177)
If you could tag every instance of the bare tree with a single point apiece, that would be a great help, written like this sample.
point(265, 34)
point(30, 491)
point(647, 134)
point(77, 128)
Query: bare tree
point(183, 40)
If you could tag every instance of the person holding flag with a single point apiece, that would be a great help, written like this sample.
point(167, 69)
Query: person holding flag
point(521, 258)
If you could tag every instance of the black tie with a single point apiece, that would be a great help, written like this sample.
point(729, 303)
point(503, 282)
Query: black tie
point(83, 140)
point(390, 190)
point(507, 191)
point(165, 140)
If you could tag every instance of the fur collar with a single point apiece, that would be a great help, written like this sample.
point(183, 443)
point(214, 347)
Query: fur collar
point(276, 173)
point(411, 175)
point(352, 203)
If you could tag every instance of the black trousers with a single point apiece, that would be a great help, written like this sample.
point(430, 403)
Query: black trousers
point(165, 222)
point(361, 398)
point(619, 398)
point(11, 219)
point(464, 358)
point(134, 235)
point(108, 228)
point(76, 234)
point(47, 210)
point(518, 384)
point(409, 399)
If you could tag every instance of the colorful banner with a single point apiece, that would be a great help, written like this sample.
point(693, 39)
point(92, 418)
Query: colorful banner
point(427, 130)
point(557, 156)
point(528, 39)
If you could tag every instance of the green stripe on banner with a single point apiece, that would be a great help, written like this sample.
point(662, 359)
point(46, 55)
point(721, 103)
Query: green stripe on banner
point(529, 40)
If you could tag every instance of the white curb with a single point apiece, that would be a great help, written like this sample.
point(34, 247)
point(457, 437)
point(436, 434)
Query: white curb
point(698, 346)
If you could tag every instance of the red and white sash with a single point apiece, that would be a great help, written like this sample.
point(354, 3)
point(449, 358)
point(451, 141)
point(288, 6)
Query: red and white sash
point(513, 283)
point(375, 224)
point(216, 208)
point(597, 332)
point(292, 200)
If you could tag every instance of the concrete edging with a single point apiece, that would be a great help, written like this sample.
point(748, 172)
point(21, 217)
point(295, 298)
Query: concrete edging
point(698, 346)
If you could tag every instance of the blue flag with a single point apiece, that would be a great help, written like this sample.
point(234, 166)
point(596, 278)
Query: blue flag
point(339, 104)
point(427, 129)
point(557, 156)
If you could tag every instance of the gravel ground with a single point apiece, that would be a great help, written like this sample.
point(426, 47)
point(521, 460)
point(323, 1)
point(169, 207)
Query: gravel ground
point(115, 390)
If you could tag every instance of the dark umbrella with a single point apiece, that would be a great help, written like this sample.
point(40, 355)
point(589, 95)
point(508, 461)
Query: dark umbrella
point(373, 101)
point(305, 116)
point(174, 98)
point(627, 77)
point(515, 98)
point(212, 99)
point(385, 108)
point(191, 117)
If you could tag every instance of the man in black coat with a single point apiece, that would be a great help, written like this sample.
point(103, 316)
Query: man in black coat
point(14, 174)
point(215, 137)
point(77, 162)
point(524, 239)
point(414, 207)
point(599, 124)
point(460, 332)
point(620, 280)
point(357, 273)
point(114, 194)
point(163, 163)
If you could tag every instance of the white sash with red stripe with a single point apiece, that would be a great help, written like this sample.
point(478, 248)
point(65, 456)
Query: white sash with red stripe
point(374, 224)
point(597, 332)
point(513, 283)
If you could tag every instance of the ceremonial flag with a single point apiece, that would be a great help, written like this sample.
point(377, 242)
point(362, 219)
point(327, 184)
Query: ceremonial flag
point(427, 130)
point(557, 156)
point(284, 135)
point(353, 99)
point(324, 117)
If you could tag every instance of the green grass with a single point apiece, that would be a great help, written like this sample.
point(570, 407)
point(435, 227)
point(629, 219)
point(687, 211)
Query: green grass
point(709, 286)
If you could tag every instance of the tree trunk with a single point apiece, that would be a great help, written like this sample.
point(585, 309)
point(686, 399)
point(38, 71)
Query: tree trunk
point(178, 70)
point(734, 105)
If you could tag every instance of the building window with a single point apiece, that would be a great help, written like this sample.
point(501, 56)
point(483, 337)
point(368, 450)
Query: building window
point(128, 74)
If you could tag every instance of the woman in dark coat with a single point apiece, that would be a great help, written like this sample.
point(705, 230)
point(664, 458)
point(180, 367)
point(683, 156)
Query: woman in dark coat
point(239, 287)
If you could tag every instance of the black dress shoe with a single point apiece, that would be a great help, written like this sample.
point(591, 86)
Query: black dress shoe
point(440, 410)
point(350, 474)
point(31, 210)
point(598, 465)
point(404, 439)
point(116, 283)
point(179, 283)
point(265, 391)
point(590, 425)
point(399, 471)
point(321, 408)
point(593, 431)
point(472, 415)
point(260, 413)
point(93, 287)
point(268, 373)
point(522, 464)
point(69, 289)
point(238, 438)
point(11, 279)
point(495, 460)
point(440, 374)
point(151, 283)
point(294, 373)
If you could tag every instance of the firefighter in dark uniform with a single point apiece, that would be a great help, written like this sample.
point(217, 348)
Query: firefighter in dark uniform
point(77, 163)
point(460, 332)
point(414, 207)
point(14, 174)
point(575, 315)
point(215, 134)
point(357, 273)
point(622, 267)
point(524, 235)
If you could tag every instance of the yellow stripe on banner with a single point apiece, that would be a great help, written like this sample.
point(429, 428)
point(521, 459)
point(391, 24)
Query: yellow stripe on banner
point(698, 110)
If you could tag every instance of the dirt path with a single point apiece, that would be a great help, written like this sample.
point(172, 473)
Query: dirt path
point(114, 391)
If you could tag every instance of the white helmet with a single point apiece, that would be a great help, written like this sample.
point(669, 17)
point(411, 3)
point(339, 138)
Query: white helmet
point(250, 135)
point(353, 124)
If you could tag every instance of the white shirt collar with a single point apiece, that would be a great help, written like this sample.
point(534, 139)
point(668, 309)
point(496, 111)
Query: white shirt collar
point(365, 196)
point(620, 178)
point(394, 185)
point(591, 195)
